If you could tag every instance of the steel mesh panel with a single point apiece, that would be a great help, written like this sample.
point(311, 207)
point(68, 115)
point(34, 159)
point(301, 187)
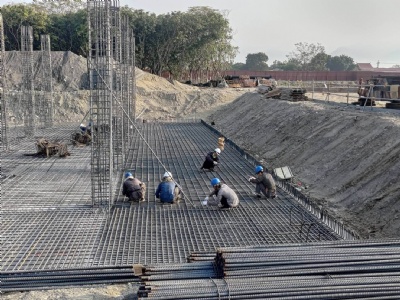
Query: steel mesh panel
point(49, 221)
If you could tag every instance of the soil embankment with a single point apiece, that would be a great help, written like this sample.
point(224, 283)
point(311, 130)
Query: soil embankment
point(348, 158)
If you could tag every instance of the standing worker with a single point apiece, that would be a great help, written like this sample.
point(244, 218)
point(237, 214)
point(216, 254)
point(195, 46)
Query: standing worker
point(211, 160)
point(221, 143)
point(264, 183)
point(168, 191)
point(133, 188)
point(224, 195)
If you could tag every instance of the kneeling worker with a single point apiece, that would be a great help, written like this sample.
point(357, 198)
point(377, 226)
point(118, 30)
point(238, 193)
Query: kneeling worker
point(168, 191)
point(265, 183)
point(211, 160)
point(133, 188)
point(224, 195)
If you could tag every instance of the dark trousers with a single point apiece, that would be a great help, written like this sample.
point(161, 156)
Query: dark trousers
point(224, 202)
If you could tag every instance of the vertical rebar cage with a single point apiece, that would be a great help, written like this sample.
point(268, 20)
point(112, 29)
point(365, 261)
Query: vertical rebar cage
point(27, 81)
point(105, 96)
point(45, 105)
point(3, 100)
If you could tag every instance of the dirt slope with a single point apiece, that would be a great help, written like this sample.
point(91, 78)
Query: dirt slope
point(348, 159)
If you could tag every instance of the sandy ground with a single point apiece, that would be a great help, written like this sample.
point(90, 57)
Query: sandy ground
point(345, 157)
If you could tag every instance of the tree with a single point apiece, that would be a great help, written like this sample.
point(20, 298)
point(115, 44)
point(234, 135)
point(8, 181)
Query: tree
point(257, 61)
point(238, 66)
point(69, 31)
point(319, 62)
point(18, 15)
point(341, 63)
point(301, 58)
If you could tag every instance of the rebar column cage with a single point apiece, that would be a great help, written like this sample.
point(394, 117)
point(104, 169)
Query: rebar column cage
point(127, 70)
point(3, 100)
point(117, 111)
point(45, 104)
point(28, 98)
point(103, 65)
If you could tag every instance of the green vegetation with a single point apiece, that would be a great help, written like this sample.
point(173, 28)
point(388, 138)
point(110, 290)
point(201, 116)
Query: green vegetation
point(196, 41)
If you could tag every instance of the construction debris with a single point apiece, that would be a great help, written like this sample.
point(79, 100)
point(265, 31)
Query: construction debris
point(80, 138)
point(44, 147)
point(290, 94)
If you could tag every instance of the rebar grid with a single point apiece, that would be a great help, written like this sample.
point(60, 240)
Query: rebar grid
point(3, 99)
point(49, 221)
point(28, 104)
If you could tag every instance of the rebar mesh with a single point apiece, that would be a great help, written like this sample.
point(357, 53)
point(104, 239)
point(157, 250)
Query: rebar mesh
point(49, 221)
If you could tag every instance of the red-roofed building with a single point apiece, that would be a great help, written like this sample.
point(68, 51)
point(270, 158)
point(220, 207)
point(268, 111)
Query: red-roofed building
point(364, 67)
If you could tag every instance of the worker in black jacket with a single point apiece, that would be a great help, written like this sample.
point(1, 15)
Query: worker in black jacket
point(211, 160)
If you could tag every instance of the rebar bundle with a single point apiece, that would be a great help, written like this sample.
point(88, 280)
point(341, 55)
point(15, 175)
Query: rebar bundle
point(327, 270)
point(61, 278)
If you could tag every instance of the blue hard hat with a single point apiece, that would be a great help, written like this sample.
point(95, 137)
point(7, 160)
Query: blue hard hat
point(215, 181)
point(258, 169)
point(128, 174)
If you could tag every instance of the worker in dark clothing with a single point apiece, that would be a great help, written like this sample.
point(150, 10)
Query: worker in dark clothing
point(168, 191)
point(133, 188)
point(225, 197)
point(265, 183)
point(211, 160)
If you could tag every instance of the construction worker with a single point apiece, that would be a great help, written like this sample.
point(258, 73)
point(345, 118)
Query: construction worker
point(211, 160)
point(221, 143)
point(225, 197)
point(265, 184)
point(168, 191)
point(133, 188)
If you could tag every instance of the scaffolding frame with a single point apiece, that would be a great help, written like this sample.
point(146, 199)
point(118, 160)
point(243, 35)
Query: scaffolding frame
point(45, 104)
point(27, 81)
point(3, 100)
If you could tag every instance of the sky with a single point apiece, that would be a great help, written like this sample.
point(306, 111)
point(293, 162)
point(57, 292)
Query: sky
point(366, 30)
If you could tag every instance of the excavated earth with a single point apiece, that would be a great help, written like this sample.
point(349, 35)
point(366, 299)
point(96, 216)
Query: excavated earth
point(346, 158)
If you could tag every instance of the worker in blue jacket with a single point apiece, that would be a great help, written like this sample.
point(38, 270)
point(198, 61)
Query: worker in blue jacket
point(168, 191)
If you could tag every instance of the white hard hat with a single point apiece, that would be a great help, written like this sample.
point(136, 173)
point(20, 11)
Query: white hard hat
point(218, 150)
point(82, 125)
point(167, 174)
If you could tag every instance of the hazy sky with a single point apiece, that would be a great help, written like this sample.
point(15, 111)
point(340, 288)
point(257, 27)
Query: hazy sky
point(366, 30)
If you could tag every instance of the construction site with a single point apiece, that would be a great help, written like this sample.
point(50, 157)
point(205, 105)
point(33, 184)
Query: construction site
point(71, 127)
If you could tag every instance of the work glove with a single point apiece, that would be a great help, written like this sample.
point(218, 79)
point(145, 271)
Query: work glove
point(215, 163)
point(204, 202)
point(251, 178)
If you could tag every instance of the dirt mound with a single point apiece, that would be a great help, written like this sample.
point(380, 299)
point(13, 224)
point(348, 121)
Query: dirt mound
point(348, 159)
point(157, 97)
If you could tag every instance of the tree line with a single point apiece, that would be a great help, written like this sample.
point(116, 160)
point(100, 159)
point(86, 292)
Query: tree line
point(306, 57)
point(181, 43)
point(198, 40)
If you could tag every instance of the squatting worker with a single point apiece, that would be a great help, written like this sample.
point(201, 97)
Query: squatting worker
point(265, 184)
point(211, 160)
point(168, 191)
point(224, 195)
point(133, 188)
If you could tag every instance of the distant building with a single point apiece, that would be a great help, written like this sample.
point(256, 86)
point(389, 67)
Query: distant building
point(369, 67)
point(364, 67)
